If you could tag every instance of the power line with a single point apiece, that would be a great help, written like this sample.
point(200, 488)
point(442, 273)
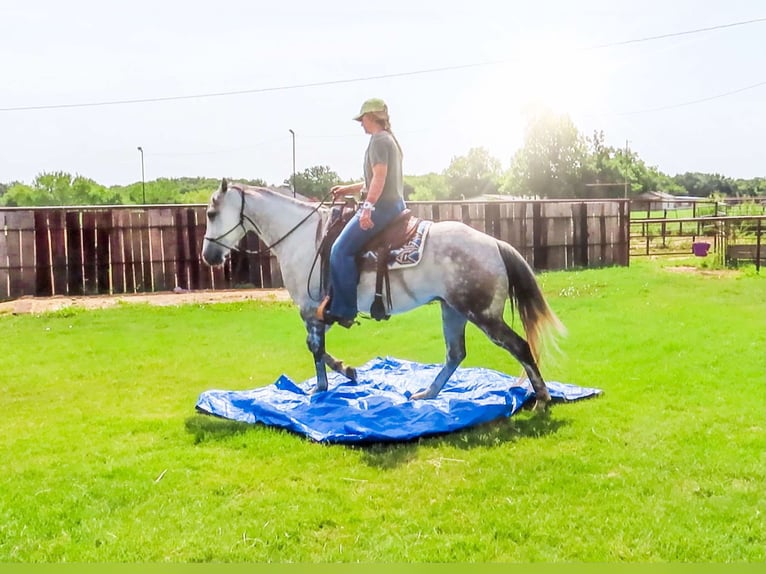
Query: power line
point(241, 92)
point(674, 34)
point(362, 78)
point(689, 103)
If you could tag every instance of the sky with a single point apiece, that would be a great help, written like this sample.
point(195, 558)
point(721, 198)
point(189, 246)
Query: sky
point(213, 88)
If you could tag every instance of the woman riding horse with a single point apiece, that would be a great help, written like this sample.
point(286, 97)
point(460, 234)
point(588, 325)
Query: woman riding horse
point(383, 203)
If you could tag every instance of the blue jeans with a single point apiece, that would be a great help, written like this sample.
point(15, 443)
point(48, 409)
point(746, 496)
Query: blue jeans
point(344, 274)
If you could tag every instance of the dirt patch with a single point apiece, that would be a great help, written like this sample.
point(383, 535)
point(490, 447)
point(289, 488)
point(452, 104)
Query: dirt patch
point(47, 304)
point(700, 271)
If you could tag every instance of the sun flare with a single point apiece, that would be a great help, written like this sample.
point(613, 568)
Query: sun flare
point(493, 109)
point(565, 80)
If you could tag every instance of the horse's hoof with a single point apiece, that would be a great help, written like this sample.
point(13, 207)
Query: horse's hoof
point(351, 373)
point(541, 406)
point(318, 389)
point(422, 395)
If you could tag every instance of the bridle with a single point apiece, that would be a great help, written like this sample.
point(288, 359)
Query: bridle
point(243, 217)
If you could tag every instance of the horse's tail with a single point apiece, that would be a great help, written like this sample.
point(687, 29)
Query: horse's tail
point(539, 320)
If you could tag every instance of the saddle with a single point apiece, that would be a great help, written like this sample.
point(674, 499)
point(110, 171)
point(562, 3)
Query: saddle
point(375, 254)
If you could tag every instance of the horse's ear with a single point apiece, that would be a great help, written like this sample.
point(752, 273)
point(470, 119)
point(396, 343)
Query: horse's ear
point(224, 185)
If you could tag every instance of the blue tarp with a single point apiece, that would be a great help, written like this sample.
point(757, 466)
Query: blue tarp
point(377, 407)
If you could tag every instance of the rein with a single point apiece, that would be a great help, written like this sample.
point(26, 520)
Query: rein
point(244, 217)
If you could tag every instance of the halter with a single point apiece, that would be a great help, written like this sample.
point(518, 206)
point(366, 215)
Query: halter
point(244, 217)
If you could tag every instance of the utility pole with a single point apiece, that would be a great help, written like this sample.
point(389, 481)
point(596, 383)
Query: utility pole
point(627, 163)
point(143, 182)
point(293, 180)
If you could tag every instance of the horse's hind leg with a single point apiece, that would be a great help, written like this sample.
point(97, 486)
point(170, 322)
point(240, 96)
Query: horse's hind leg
point(453, 326)
point(503, 336)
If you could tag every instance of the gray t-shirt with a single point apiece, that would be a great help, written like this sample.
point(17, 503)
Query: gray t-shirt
point(383, 149)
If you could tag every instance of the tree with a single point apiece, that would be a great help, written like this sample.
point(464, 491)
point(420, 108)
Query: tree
point(476, 173)
point(428, 187)
point(57, 188)
point(551, 161)
point(707, 184)
point(650, 178)
point(750, 187)
point(605, 170)
point(315, 181)
point(20, 195)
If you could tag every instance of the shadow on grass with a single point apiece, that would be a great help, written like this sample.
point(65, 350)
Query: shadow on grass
point(207, 427)
point(390, 455)
point(500, 431)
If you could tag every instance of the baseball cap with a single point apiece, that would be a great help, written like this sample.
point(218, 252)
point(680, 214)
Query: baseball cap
point(370, 106)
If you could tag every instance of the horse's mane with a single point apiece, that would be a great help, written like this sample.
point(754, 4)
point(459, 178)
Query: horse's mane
point(280, 192)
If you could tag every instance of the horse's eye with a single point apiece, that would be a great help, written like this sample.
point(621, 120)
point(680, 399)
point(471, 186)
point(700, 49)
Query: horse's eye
point(211, 215)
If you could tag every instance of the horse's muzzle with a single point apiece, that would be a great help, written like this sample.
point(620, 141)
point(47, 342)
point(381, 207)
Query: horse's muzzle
point(213, 254)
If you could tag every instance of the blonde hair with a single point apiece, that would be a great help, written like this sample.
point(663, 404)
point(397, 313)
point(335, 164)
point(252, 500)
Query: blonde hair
point(385, 122)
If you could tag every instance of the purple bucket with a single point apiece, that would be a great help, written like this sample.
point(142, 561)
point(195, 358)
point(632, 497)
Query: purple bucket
point(700, 249)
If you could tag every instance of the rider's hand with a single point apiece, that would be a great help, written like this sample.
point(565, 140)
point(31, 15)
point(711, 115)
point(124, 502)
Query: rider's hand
point(365, 219)
point(337, 190)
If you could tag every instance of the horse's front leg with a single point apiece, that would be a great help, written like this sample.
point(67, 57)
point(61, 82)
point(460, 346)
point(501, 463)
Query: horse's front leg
point(339, 367)
point(315, 341)
point(316, 344)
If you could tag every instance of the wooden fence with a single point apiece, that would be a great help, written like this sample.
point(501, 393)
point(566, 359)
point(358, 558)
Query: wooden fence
point(120, 249)
point(550, 234)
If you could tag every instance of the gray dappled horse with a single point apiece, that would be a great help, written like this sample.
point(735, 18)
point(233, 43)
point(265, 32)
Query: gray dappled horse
point(470, 273)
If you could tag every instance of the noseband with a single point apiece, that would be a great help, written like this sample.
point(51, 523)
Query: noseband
point(241, 223)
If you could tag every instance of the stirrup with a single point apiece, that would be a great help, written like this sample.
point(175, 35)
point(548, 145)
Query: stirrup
point(324, 315)
point(323, 304)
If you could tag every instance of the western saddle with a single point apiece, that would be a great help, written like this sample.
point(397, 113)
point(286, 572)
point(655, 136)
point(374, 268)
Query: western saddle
point(396, 234)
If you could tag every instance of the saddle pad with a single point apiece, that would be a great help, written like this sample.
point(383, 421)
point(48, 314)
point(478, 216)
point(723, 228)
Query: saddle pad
point(377, 407)
point(408, 254)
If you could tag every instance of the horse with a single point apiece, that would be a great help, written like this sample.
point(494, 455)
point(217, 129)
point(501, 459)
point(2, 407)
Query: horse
point(470, 274)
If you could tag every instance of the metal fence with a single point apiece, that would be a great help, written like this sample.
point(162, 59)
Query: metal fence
point(730, 238)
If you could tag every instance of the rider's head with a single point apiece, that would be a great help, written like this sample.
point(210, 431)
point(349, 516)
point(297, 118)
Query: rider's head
point(374, 112)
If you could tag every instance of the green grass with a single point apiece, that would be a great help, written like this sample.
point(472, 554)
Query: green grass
point(704, 208)
point(104, 459)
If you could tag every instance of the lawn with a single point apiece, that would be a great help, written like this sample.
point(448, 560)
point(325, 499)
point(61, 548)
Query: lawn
point(105, 460)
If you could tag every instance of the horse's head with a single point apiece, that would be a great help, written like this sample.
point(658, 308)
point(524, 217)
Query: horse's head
point(225, 226)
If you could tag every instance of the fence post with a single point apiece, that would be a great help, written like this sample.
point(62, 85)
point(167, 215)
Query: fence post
point(580, 233)
point(74, 253)
point(624, 224)
point(43, 264)
point(193, 257)
point(539, 233)
point(103, 266)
